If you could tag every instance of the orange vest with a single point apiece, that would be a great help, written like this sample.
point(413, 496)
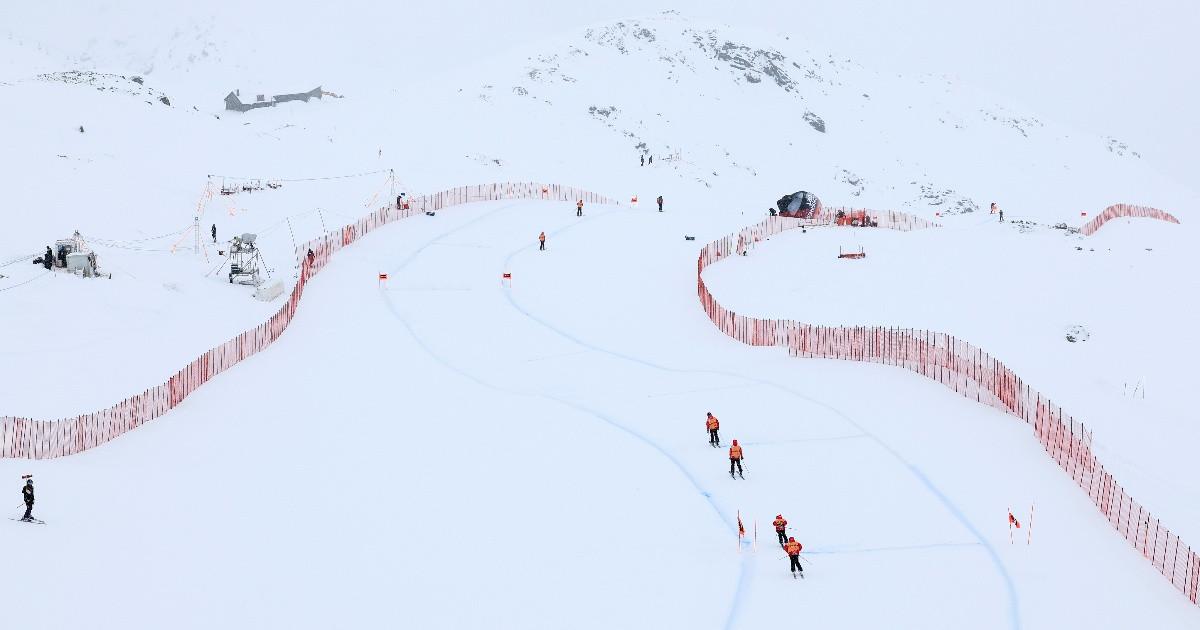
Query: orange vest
point(712, 423)
point(779, 524)
point(542, 237)
point(792, 548)
point(579, 204)
point(735, 452)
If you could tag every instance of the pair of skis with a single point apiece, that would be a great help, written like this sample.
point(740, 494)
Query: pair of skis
point(36, 521)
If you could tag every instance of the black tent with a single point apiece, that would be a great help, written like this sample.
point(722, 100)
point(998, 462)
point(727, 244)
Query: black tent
point(800, 204)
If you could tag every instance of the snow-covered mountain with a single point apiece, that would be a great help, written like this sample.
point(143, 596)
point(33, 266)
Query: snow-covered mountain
point(734, 119)
point(406, 406)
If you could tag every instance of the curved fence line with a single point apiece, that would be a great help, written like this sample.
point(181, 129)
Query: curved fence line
point(45, 439)
point(967, 370)
point(1120, 210)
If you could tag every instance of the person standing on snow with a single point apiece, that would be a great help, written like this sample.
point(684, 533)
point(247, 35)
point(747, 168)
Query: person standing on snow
point(712, 424)
point(579, 208)
point(659, 200)
point(793, 551)
point(214, 232)
point(735, 459)
point(780, 524)
point(27, 494)
point(542, 241)
point(643, 159)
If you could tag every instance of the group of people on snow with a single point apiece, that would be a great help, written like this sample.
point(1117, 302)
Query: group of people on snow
point(736, 456)
point(578, 213)
point(713, 426)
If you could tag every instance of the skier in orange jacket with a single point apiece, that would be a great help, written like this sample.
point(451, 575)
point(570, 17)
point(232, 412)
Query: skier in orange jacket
point(542, 241)
point(735, 459)
point(579, 208)
point(712, 424)
point(793, 551)
point(780, 524)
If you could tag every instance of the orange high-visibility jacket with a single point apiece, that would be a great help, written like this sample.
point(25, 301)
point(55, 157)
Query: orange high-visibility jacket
point(712, 423)
point(735, 452)
point(542, 237)
point(792, 548)
point(779, 524)
point(579, 204)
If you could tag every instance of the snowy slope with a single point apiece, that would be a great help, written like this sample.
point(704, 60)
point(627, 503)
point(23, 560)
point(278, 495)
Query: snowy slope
point(1018, 292)
point(657, 83)
point(537, 452)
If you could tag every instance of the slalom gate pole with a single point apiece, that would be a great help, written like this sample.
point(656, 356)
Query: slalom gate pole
point(1029, 527)
point(739, 532)
point(1010, 537)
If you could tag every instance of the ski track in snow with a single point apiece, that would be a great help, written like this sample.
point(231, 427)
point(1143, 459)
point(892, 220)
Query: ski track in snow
point(743, 577)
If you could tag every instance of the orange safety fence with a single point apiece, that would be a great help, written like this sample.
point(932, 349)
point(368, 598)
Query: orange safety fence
point(1120, 210)
point(43, 439)
point(966, 369)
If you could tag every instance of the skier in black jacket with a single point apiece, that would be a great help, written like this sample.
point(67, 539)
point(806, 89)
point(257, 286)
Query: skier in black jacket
point(27, 494)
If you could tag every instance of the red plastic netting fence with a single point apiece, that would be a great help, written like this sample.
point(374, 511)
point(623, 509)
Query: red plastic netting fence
point(1120, 210)
point(967, 370)
point(44, 439)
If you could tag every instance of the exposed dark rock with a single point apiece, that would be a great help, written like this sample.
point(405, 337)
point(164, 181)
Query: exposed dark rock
point(814, 121)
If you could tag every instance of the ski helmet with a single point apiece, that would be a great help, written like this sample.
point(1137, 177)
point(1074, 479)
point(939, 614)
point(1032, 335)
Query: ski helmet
point(735, 442)
point(791, 539)
point(778, 516)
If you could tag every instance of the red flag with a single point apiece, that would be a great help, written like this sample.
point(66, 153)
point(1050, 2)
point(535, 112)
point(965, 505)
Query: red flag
point(1012, 520)
point(741, 530)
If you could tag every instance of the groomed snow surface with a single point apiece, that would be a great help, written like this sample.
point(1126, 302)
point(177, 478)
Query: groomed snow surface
point(444, 451)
